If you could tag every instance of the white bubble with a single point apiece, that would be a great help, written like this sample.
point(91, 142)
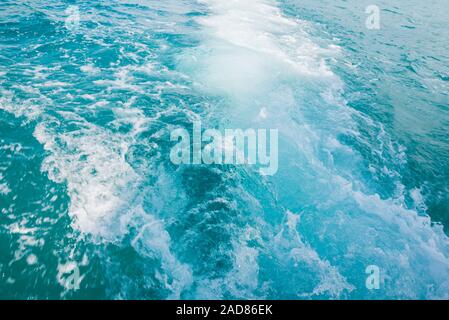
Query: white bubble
point(32, 259)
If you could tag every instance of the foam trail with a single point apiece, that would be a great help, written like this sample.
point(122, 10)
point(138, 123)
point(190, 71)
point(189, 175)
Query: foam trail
point(248, 46)
point(104, 189)
point(96, 106)
point(105, 200)
point(275, 76)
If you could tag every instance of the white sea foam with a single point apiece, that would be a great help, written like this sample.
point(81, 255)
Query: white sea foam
point(123, 81)
point(249, 52)
point(252, 42)
point(4, 189)
point(105, 191)
point(98, 178)
point(32, 259)
point(26, 109)
point(57, 84)
point(253, 53)
point(248, 48)
point(90, 69)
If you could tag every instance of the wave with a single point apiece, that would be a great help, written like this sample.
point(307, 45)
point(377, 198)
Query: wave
point(220, 231)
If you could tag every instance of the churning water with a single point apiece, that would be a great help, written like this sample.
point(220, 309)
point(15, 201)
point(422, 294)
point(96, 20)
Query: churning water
point(90, 91)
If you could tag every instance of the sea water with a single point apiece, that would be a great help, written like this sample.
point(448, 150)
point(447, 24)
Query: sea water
point(92, 207)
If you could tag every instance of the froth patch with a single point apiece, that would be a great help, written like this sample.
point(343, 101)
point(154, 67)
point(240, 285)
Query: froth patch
point(248, 43)
point(99, 180)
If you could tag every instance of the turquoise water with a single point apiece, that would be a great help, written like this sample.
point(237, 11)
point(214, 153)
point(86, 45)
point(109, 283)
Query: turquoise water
point(88, 191)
